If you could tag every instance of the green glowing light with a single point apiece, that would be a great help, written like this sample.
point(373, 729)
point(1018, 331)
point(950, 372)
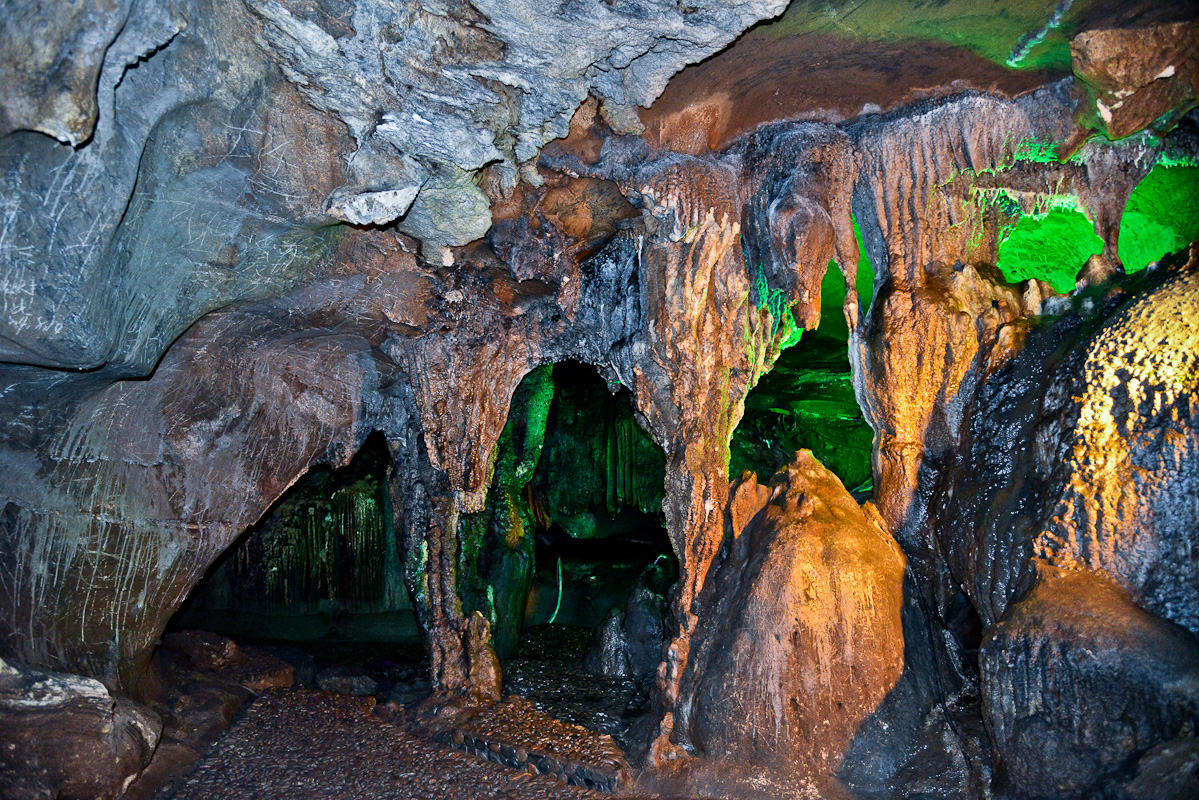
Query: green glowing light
point(1051, 246)
point(1162, 216)
point(795, 332)
point(807, 399)
point(1028, 34)
point(558, 605)
point(832, 303)
point(1038, 150)
point(865, 270)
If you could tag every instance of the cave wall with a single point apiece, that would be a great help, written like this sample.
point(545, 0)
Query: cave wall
point(205, 297)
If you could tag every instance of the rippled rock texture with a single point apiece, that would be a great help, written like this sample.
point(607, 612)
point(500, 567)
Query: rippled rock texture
point(1076, 540)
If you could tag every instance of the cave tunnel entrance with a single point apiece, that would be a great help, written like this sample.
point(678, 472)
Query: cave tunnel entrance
point(317, 583)
point(1162, 215)
point(597, 498)
point(572, 555)
point(321, 564)
point(807, 400)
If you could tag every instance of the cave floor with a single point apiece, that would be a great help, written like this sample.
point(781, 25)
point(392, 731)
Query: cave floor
point(548, 671)
point(302, 743)
point(297, 743)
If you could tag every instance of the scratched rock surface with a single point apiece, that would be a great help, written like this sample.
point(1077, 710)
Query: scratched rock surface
point(197, 152)
point(799, 636)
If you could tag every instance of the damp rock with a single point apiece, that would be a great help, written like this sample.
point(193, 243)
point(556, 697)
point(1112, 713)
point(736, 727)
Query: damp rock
point(222, 658)
point(608, 656)
point(1079, 683)
point(410, 691)
point(302, 662)
point(644, 631)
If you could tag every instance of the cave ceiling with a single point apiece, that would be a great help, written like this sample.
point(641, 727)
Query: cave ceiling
point(237, 237)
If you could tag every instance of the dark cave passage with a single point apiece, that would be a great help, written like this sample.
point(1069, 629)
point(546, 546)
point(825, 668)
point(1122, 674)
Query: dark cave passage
point(572, 529)
point(574, 526)
point(597, 501)
point(322, 564)
point(570, 561)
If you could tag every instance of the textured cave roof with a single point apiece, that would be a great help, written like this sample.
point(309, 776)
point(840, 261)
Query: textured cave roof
point(831, 60)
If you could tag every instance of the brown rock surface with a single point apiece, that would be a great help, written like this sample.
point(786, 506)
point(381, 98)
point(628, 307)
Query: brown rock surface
point(52, 54)
point(1137, 78)
point(65, 736)
point(811, 76)
point(234, 338)
point(1079, 683)
point(798, 640)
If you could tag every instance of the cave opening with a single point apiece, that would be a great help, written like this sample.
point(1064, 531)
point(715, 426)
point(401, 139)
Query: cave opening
point(574, 530)
point(321, 564)
point(1050, 244)
point(1162, 214)
point(807, 400)
point(596, 496)
point(317, 584)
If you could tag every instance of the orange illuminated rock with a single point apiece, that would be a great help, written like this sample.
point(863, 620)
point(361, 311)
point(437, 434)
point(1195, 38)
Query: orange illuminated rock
point(799, 635)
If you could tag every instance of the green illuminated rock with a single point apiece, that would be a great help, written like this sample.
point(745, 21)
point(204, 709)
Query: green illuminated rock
point(1051, 246)
point(596, 456)
point(496, 545)
point(1161, 217)
point(807, 399)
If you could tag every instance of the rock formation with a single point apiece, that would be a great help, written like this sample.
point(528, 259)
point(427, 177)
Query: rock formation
point(239, 237)
point(799, 636)
point(66, 736)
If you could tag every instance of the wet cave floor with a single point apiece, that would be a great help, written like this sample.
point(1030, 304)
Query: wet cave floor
point(301, 742)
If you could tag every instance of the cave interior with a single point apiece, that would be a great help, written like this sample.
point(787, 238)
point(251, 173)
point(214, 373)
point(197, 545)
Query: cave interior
point(416, 399)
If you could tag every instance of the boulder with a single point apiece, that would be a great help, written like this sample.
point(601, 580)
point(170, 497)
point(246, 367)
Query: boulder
point(608, 656)
point(1080, 685)
point(799, 635)
point(645, 631)
point(345, 680)
point(65, 737)
point(222, 658)
point(1134, 78)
